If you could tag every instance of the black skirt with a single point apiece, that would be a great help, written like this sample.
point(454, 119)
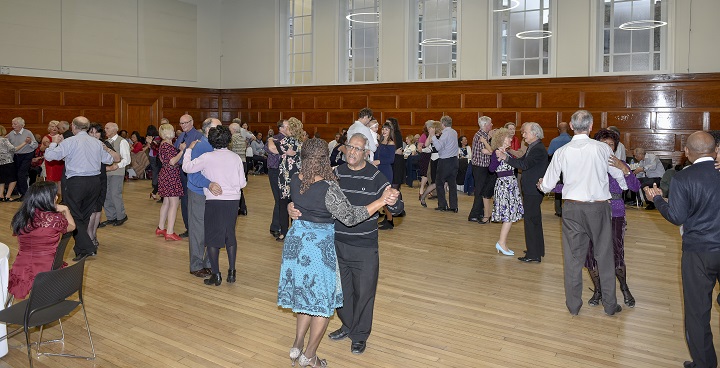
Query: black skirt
point(8, 173)
point(220, 220)
point(398, 170)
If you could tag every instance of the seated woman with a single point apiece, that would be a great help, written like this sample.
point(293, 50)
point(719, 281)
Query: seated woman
point(139, 158)
point(39, 223)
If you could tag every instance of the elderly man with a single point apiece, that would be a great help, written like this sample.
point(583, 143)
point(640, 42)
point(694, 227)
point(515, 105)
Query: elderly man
point(189, 134)
point(447, 168)
point(25, 145)
point(196, 182)
point(83, 156)
point(586, 213)
point(694, 198)
point(64, 129)
point(333, 143)
point(238, 144)
point(649, 171)
point(114, 207)
point(533, 165)
point(362, 126)
point(357, 246)
point(484, 183)
point(557, 142)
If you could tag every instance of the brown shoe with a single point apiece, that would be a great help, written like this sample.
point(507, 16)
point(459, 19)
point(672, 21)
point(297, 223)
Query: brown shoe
point(200, 273)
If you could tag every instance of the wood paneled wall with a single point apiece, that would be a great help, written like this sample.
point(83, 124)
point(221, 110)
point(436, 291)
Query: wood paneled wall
point(655, 112)
point(131, 106)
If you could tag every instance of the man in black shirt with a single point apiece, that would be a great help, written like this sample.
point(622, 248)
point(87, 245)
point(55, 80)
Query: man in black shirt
point(693, 204)
point(357, 246)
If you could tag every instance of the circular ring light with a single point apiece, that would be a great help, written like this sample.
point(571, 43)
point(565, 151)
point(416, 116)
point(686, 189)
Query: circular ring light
point(375, 15)
point(639, 25)
point(437, 42)
point(534, 35)
point(513, 4)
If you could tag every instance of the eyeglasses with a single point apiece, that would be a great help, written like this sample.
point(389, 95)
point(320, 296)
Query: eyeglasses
point(350, 148)
point(185, 122)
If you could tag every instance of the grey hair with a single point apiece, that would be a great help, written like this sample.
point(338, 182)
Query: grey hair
point(206, 125)
point(639, 150)
point(19, 120)
point(446, 121)
point(359, 135)
point(535, 129)
point(238, 121)
point(483, 121)
point(234, 128)
point(581, 121)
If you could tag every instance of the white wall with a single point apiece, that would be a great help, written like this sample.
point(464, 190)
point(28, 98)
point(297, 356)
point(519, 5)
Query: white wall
point(168, 42)
point(235, 43)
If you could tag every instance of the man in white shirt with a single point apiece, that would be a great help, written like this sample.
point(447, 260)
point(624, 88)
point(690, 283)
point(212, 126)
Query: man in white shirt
point(650, 171)
point(114, 206)
point(586, 212)
point(361, 126)
point(332, 144)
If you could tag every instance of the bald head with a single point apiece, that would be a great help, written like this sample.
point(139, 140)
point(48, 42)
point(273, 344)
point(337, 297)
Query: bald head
point(563, 127)
point(700, 144)
point(186, 123)
point(111, 129)
point(80, 124)
point(210, 123)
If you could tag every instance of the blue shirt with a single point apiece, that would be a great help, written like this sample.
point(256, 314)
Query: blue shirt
point(197, 181)
point(82, 153)
point(187, 137)
point(558, 142)
point(447, 144)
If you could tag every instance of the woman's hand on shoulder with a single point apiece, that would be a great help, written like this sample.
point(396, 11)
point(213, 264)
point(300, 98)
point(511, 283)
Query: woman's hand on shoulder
point(62, 208)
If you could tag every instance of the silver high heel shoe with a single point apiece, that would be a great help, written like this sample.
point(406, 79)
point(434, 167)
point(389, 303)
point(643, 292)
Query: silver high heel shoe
point(503, 251)
point(294, 355)
point(305, 361)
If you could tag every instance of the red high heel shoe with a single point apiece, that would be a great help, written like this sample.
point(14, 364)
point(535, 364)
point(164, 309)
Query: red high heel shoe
point(172, 236)
point(160, 232)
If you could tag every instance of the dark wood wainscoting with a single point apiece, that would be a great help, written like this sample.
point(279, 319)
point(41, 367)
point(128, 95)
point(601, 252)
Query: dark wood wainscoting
point(655, 112)
point(131, 106)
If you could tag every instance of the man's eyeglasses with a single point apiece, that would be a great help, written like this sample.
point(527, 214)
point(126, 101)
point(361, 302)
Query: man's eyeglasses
point(185, 122)
point(350, 148)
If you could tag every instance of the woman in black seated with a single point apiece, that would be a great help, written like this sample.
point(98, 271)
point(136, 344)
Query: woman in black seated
point(309, 274)
point(337, 157)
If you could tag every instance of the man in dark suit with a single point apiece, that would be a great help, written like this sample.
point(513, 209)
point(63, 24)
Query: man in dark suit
point(693, 204)
point(533, 165)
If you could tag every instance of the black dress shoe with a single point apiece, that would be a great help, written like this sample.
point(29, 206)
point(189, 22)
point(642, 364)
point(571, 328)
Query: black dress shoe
point(215, 279)
point(689, 364)
point(617, 309)
point(473, 219)
point(184, 235)
point(121, 221)
point(528, 259)
point(242, 212)
point(358, 347)
point(650, 206)
point(200, 273)
point(106, 223)
point(231, 276)
point(440, 208)
point(452, 210)
point(558, 214)
point(275, 233)
point(338, 335)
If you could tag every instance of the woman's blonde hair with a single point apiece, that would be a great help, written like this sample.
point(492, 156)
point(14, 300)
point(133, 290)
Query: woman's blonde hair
point(166, 131)
point(498, 138)
point(412, 138)
point(53, 123)
point(2, 131)
point(296, 128)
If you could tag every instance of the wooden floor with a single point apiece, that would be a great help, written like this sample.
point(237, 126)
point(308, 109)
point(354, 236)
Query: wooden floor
point(445, 298)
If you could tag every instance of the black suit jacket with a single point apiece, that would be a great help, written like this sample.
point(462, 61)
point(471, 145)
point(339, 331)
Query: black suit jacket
point(693, 203)
point(533, 165)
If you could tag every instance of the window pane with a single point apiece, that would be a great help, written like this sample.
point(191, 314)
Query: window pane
point(307, 24)
point(621, 63)
point(532, 48)
point(307, 62)
point(622, 41)
point(641, 62)
point(641, 41)
point(532, 67)
point(517, 67)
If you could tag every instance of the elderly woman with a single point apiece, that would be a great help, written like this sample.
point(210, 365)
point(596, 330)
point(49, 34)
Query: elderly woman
point(508, 206)
point(54, 169)
point(169, 185)
point(238, 144)
point(309, 275)
point(225, 168)
point(8, 175)
point(138, 157)
point(288, 148)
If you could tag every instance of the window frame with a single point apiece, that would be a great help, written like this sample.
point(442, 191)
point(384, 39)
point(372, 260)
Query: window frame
point(285, 13)
point(414, 38)
point(345, 46)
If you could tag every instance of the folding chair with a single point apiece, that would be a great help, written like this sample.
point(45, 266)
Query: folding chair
point(49, 302)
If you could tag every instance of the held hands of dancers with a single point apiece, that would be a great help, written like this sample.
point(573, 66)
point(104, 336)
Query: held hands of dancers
point(57, 138)
point(390, 195)
point(501, 153)
point(650, 193)
point(539, 184)
point(292, 212)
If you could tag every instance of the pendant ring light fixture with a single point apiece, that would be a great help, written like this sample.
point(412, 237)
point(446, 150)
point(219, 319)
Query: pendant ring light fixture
point(375, 16)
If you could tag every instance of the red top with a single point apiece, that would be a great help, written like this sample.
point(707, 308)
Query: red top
point(137, 147)
point(515, 143)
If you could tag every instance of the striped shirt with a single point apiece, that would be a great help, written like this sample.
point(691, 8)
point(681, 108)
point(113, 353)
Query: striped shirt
point(479, 158)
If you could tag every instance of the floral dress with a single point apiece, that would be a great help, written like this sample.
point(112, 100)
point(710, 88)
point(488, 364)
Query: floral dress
point(169, 184)
point(508, 205)
point(289, 165)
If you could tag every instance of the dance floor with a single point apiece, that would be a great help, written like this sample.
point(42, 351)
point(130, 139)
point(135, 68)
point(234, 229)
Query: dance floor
point(445, 298)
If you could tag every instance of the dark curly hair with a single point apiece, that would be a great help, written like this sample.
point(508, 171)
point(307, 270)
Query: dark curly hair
point(219, 137)
point(315, 162)
point(604, 134)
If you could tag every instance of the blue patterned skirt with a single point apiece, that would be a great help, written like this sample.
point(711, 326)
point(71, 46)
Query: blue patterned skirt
point(309, 273)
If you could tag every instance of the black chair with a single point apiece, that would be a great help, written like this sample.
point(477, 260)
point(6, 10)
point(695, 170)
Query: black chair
point(48, 302)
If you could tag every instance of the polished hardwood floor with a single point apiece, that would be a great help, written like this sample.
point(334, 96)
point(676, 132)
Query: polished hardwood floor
point(445, 298)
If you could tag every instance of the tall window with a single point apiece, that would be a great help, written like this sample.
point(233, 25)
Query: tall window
point(437, 38)
point(632, 35)
point(299, 42)
point(362, 19)
point(521, 37)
